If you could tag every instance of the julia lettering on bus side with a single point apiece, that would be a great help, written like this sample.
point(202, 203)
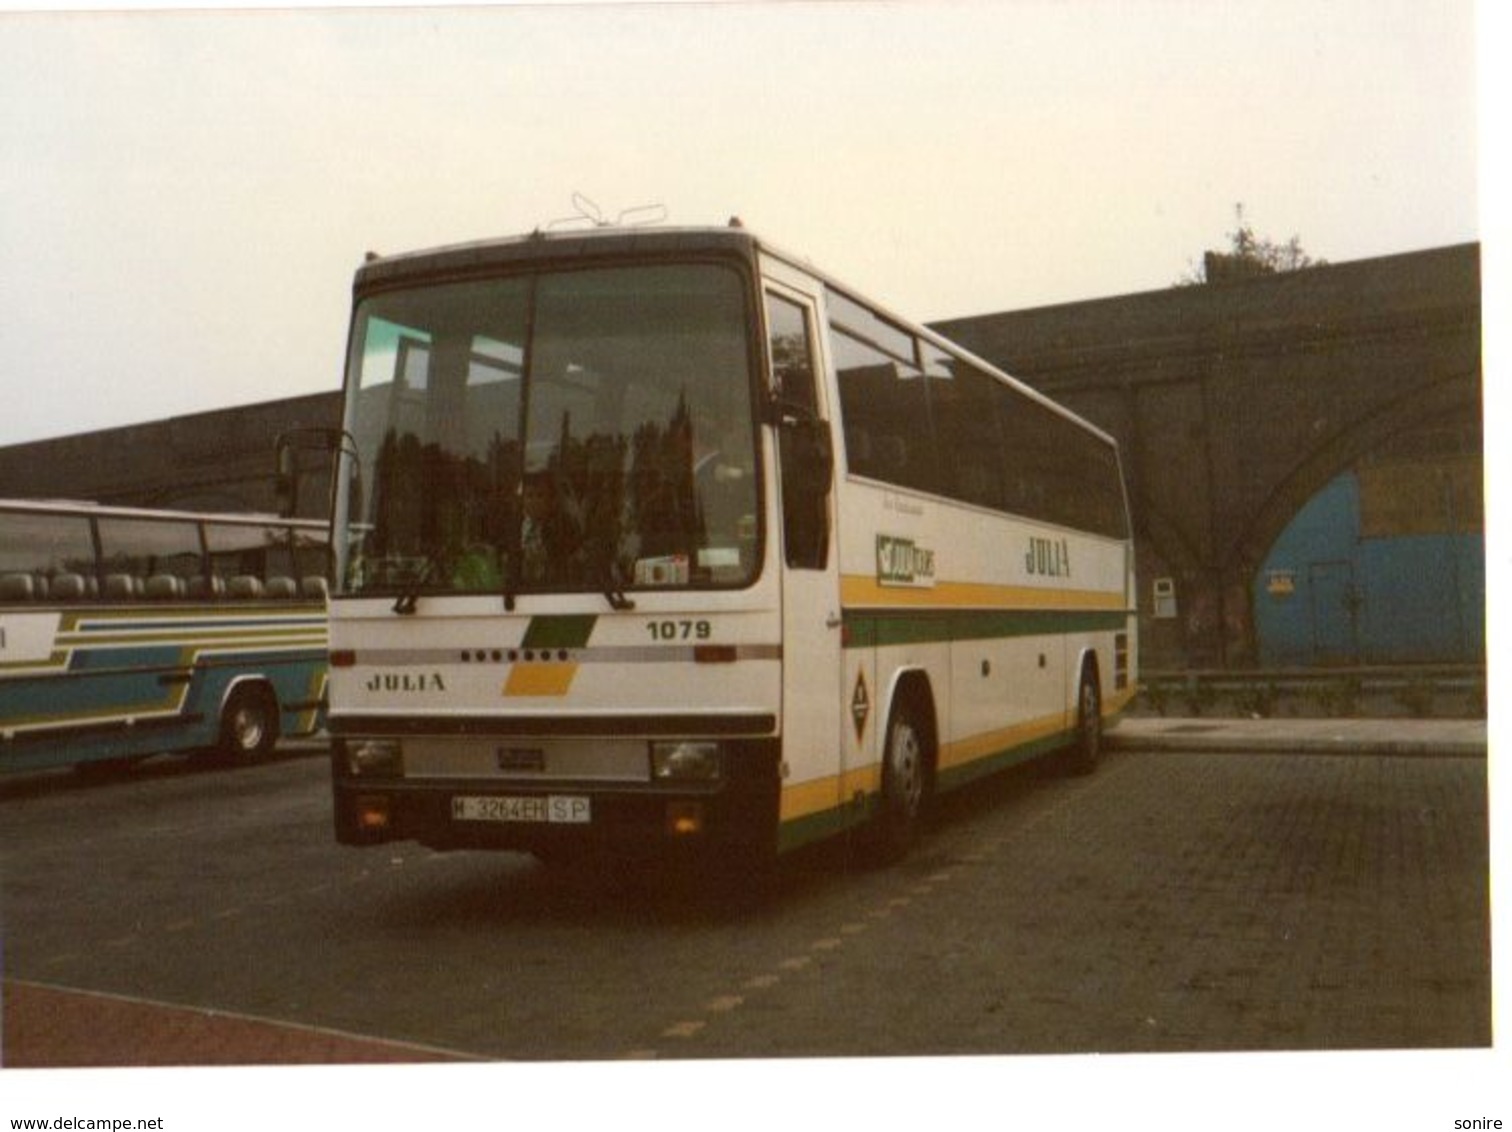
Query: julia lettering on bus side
point(1050, 558)
point(405, 682)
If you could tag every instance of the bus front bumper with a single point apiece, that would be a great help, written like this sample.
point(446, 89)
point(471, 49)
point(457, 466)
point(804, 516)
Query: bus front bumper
point(554, 818)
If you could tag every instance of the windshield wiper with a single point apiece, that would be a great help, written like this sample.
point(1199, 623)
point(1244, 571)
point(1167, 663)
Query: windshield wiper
point(612, 592)
point(410, 594)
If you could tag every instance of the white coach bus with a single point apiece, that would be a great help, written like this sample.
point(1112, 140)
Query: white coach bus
point(660, 538)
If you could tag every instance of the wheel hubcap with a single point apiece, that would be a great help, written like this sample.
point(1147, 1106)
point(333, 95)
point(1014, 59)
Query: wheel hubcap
point(247, 726)
point(907, 768)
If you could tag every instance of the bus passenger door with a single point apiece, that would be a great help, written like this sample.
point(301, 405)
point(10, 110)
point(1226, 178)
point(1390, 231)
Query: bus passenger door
point(812, 700)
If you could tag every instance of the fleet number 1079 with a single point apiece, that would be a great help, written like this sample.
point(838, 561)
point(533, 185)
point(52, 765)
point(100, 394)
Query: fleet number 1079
point(680, 630)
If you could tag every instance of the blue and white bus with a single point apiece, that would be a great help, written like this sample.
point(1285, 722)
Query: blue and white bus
point(127, 632)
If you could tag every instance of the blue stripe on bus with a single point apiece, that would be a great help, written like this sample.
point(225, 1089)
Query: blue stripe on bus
point(92, 625)
point(88, 660)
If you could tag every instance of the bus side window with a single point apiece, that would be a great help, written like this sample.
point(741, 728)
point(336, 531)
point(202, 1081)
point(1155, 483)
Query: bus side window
point(802, 437)
point(151, 558)
point(39, 550)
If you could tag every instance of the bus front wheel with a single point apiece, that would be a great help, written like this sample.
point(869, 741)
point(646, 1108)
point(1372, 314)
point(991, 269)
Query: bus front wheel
point(249, 724)
point(905, 784)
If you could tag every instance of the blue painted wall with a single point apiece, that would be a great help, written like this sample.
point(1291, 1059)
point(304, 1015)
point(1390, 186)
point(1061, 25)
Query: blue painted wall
point(1327, 595)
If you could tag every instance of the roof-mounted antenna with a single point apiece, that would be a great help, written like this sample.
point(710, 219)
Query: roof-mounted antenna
point(641, 214)
point(589, 214)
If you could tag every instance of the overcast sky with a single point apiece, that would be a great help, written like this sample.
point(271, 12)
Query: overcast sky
point(184, 195)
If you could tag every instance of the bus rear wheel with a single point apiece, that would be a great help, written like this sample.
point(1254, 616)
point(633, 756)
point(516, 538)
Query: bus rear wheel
point(249, 725)
point(1086, 750)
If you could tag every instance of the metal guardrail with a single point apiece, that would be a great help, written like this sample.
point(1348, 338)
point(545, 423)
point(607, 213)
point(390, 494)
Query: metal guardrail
point(1428, 691)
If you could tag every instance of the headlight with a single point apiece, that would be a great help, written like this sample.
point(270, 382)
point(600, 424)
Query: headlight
point(686, 760)
point(370, 757)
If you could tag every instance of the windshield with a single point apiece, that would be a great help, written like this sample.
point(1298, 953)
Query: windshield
point(582, 430)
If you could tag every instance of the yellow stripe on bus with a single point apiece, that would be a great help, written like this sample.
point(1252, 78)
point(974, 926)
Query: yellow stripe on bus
point(830, 792)
point(861, 590)
point(551, 678)
point(820, 795)
point(812, 797)
point(989, 743)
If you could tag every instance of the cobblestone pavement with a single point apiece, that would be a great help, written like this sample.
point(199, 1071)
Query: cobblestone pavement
point(1176, 901)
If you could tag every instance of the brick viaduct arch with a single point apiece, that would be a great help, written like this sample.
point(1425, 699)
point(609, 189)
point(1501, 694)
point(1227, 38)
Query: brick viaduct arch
point(1453, 401)
point(1235, 403)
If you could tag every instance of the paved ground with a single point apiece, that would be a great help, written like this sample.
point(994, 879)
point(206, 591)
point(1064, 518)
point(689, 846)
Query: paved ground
point(1263, 901)
point(1186, 901)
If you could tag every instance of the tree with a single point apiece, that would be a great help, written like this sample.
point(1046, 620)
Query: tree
point(1248, 256)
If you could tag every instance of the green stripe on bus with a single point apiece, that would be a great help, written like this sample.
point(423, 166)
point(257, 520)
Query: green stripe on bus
point(798, 832)
point(875, 630)
point(566, 632)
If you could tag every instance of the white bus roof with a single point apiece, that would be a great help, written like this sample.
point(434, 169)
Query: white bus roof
point(484, 256)
point(111, 510)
